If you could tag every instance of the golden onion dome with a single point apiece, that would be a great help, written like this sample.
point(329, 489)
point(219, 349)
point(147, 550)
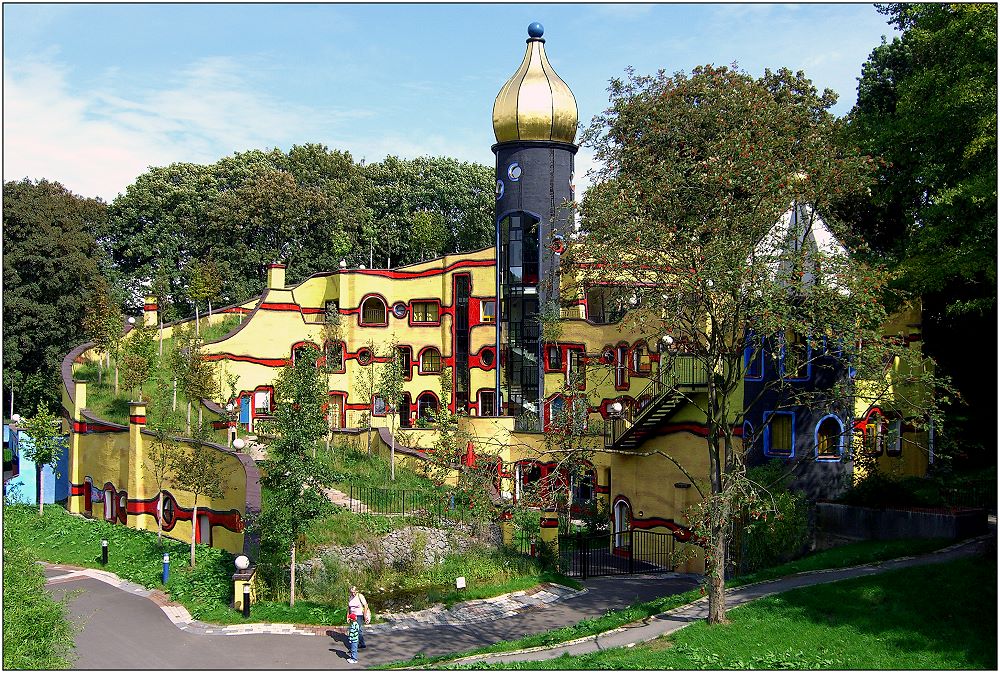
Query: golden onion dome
point(535, 104)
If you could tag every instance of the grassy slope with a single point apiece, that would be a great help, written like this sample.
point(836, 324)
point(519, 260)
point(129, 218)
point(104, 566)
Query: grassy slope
point(838, 557)
point(931, 617)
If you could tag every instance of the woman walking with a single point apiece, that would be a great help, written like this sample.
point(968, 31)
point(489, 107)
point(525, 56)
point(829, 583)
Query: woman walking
point(358, 606)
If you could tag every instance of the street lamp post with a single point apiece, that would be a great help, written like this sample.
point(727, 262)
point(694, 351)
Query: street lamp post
point(231, 429)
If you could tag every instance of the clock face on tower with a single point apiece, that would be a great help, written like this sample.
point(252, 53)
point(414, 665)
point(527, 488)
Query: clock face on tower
point(514, 172)
point(499, 189)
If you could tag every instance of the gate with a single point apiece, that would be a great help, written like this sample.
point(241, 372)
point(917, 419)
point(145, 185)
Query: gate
point(624, 553)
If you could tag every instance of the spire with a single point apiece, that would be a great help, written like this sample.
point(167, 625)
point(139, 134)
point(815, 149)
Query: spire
point(535, 104)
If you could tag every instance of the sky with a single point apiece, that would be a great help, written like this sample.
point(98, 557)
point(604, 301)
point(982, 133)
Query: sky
point(95, 94)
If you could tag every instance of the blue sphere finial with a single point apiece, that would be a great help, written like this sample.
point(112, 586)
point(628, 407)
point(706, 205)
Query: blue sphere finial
point(535, 29)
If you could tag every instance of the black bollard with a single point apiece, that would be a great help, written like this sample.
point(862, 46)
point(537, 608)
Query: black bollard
point(104, 552)
point(246, 600)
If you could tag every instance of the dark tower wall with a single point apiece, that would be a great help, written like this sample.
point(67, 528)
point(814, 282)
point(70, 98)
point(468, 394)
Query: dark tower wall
point(534, 190)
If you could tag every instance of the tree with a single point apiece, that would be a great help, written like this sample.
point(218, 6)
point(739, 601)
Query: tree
point(160, 288)
point(46, 446)
point(295, 479)
point(927, 108)
point(50, 259)
point(366, 384)
point(104, 321)
point(192, 372)
point(410, 198)
point(161, 449)
point(200, 470)
point(204, 283)
point(697, 171)
point(138, 358)
point(390, 387)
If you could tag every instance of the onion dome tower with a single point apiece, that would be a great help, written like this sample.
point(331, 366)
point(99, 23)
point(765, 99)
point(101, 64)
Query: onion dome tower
point(535, 122)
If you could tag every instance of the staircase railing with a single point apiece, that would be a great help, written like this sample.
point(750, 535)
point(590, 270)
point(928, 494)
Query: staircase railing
point(686, 371)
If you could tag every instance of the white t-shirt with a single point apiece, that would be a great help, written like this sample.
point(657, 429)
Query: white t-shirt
point(356, 605)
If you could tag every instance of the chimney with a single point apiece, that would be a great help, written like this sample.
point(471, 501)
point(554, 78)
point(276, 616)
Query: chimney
point(276, 276)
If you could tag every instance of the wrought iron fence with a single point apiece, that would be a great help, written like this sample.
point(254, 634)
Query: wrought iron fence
point(978, 493)
point(622, 553)
point(431, 505)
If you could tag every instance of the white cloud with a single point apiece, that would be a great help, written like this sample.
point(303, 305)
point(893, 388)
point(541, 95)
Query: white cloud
point(98, 141)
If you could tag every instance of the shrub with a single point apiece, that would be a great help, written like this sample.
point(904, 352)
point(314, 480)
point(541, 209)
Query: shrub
point(36, 632)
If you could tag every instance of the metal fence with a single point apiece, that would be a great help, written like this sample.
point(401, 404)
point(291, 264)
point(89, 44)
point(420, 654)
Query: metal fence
point(431, 505)
point(977, 493)
point(623, 553)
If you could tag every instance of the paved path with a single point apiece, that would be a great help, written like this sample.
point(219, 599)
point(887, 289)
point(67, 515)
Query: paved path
point(674, 620)
point(123, 626)
point(344, 500)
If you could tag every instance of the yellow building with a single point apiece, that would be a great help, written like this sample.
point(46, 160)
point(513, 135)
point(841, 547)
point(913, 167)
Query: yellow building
point(521, 370)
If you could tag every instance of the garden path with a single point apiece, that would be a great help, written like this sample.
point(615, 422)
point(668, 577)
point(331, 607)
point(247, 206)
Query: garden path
point(124, 627)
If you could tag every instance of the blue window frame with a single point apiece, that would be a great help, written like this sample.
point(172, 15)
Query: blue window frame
point(829, 439)
point(779, 434)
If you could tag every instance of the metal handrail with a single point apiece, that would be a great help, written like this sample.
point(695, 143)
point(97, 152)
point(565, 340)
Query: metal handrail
point(687, 370)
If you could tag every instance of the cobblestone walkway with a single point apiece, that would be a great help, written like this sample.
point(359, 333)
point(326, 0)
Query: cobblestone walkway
point(479, 610)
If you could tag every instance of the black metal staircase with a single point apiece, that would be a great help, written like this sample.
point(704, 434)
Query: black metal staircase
point(657, 402)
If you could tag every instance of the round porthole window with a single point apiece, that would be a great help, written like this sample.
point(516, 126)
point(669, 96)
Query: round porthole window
point(399, 309)
point(487, 357)
point(499, 189)
point(514, 172)
point(364, 356)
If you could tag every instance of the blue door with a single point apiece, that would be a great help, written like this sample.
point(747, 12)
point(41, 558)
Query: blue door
point(245, 410)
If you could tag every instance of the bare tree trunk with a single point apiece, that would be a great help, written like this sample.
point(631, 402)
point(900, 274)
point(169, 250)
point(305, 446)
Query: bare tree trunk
point(161, 337)
point(116, 376)
point(716, 561)
point(194, 528)
point(41, 489)
point(197, 321)
point(291, 602)
point(210, 309)
point(201, 408)
point(392, 453)
point(175, 395)
point(189, 417)
point(159, 521)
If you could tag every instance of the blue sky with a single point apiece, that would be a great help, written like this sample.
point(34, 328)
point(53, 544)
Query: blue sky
point(94, 94)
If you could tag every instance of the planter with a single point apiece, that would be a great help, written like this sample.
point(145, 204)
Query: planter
point(868, 523)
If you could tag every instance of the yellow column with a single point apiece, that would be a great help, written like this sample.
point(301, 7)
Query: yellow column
point(276, 276)
point(150, 310)
point(549, 530)
point(77, 427)
point(507, 528)
point(137, 458)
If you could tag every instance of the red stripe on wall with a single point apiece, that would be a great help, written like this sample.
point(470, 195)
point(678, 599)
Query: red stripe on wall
point(267, 362)
point(137, 420)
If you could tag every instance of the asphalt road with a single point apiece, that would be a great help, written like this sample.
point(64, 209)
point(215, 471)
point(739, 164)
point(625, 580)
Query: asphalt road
point(119, 630)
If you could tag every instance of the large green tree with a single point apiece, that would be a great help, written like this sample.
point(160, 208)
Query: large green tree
point(454, 197)
point(927, 107)
point(295, 480)
point(50, 259)
point(697, 171)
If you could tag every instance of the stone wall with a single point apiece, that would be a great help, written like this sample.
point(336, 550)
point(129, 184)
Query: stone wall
point(413, 544)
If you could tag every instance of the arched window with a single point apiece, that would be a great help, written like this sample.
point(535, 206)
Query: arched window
point(829, 438)
point(373, 312)
point(427, 404)
point(621, 366)
point(430, 361)
point(622, 514)
point(873, 433)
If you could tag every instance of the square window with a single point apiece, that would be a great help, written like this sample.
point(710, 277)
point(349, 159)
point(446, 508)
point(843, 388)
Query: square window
point(779, 434)
point(554, 359)
point(379, 406)
point(406, 361)
point(487, 403)
point(426, 311)
point(488, 311)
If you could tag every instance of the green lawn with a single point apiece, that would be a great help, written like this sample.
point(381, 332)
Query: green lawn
point(838, 557)
point(930, 617)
